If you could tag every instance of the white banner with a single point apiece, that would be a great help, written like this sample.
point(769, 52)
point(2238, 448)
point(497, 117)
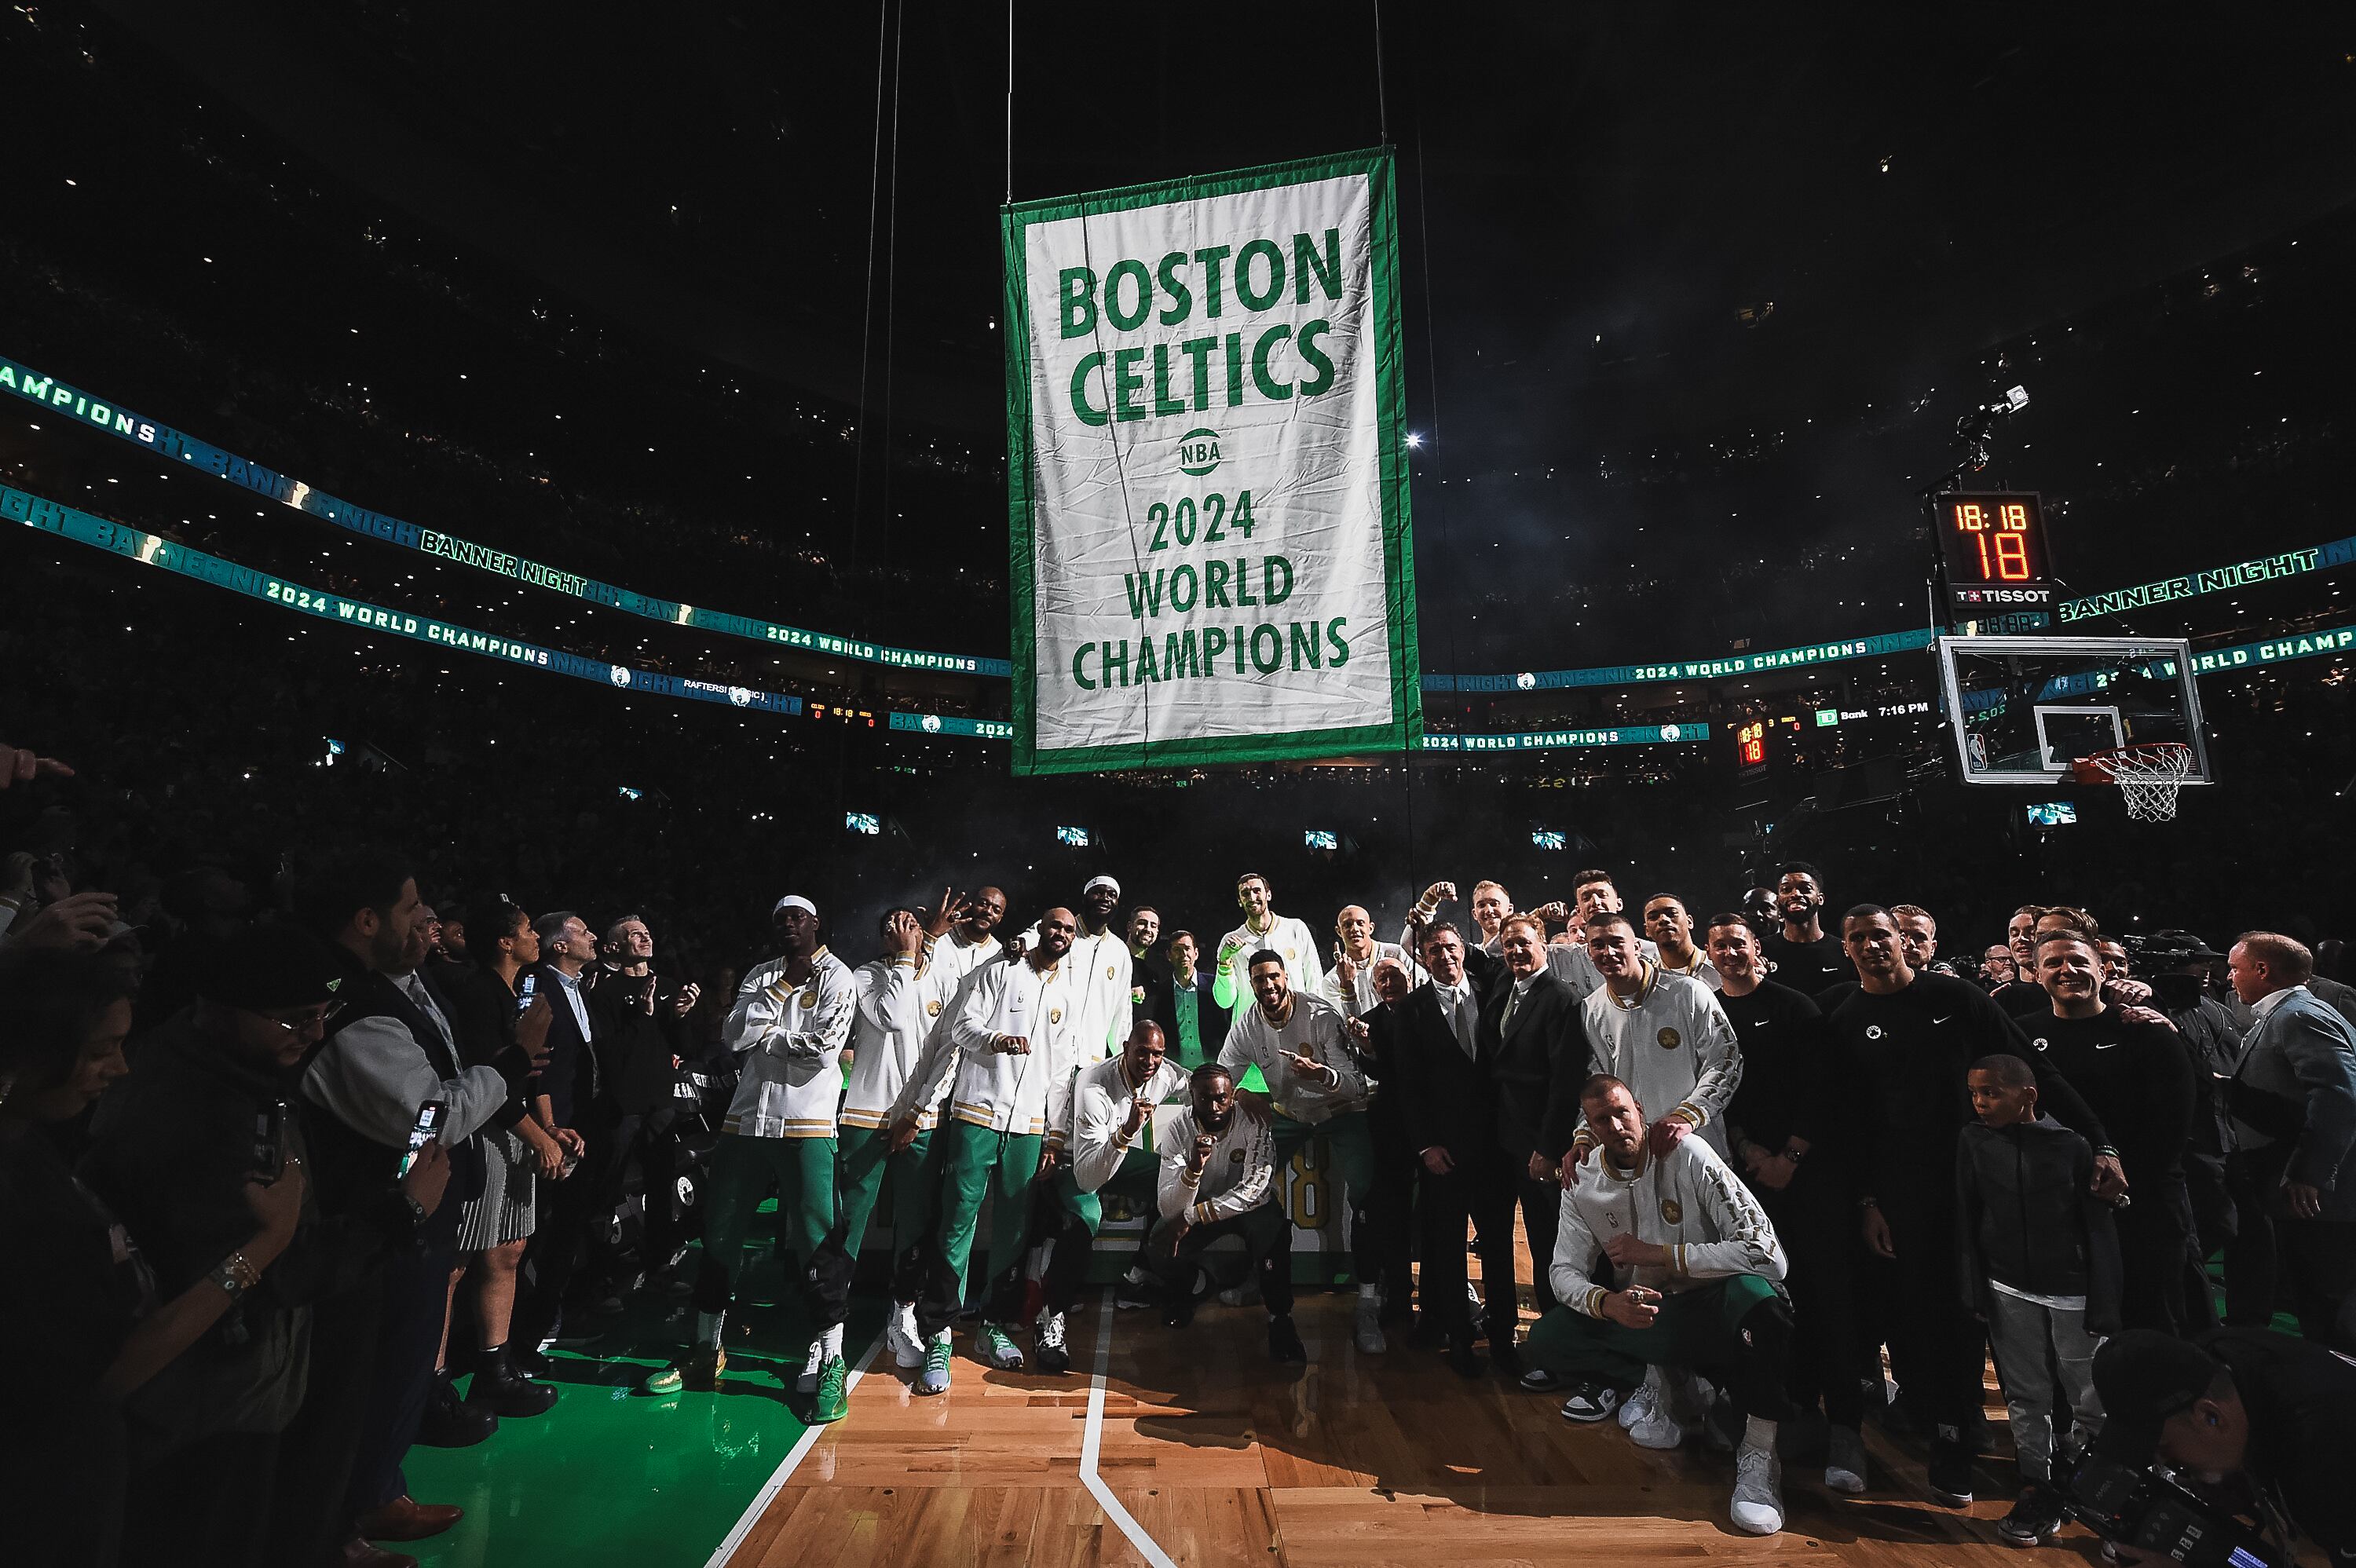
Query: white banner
point(1211, 553)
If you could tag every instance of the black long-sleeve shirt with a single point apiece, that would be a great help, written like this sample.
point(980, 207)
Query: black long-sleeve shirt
point(2136, 1077)
point(1903, 1059)
point(1784, 1067)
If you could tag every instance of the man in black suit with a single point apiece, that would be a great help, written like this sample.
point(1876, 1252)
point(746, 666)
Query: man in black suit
point(1534, 1049)
point(1194, 1023)
point(1430, 1042)
point(572, 1094)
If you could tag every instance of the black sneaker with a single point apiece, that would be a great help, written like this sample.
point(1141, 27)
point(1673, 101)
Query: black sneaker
point(1951, 1474)
point(1284, 1342)
point(1177, 1311)
point(1504, 1355)
point(1461, 1358)
point(2036, 1516)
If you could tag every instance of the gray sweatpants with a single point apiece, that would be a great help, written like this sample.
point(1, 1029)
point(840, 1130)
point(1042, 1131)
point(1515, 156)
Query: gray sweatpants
point(2046, 1360)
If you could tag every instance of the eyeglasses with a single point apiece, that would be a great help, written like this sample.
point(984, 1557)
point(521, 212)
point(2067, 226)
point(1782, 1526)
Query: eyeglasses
point(307, 1022)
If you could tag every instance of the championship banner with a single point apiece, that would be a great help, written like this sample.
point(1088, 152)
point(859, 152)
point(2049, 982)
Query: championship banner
point(1206, 481)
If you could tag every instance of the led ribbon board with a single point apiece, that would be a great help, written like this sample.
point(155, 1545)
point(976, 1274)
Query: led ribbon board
point(1689, 669)
point(85, 408)
point(151, 550)
point(1207, 485)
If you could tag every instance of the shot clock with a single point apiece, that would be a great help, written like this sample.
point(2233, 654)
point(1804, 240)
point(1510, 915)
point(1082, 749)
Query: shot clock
point(1994, 548)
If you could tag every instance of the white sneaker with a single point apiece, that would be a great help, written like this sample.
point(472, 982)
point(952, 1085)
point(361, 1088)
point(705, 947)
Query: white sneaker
point(1370, 1327)
point(1845, 1461)
point(807, 1381)
point(1244, 1294)
point(1656, 1428)
point(900, 1333)
point(1756, 1508)
point(1047, 1347)
point(1644, 1402)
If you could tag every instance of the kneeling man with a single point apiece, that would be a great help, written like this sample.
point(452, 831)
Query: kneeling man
point(1218, 1179)
point(1694, 1263)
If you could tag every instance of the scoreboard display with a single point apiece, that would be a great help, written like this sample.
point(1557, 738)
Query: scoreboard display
point(1994, 548)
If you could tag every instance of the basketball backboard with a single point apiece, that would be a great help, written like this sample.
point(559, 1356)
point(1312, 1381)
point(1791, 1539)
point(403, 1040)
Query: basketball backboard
point(2022, 710)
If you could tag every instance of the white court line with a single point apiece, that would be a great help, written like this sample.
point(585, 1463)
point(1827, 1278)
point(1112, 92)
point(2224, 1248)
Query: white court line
point(1146, 1546)
point(776, 1483)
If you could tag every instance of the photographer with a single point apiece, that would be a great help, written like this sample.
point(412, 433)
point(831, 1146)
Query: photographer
point(2254, 1420)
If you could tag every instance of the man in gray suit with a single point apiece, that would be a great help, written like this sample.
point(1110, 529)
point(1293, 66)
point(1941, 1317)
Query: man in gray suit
point(2293, 1098)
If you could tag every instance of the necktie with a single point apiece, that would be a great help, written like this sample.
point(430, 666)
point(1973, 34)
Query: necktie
point(1512, 1002)
point(1463, 1019)
point(415, 985)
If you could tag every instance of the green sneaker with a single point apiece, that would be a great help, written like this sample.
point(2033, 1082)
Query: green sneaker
point(935, 1378)
point(831, 1402)
point(998, 1350)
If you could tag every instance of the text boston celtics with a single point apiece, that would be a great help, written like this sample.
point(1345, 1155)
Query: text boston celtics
point(1181, 282)
point(1256, 277)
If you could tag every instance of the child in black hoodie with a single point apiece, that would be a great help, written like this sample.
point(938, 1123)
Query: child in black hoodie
point(2041, 1266)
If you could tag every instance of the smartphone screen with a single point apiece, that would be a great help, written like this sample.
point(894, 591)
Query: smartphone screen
point(523, 998)
point(270, 1141)
point(421, 1133)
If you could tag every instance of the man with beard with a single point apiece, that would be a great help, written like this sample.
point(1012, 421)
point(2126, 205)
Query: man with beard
point(390, 1050)
point(1694, 1263)
point(1111, 1151)
point(1149, 976)
point(1671, 928)
point(1097, 972)
point(792, 1017)
point(2138, 1079)
point(1802, 954)
point(971, 922)
point(174, 1156)
point(1218, 1179)
point(1776, 1125)
point(1263, 930)
point(1305, 1051)
point(1009, 1043)
point(1903, 1046)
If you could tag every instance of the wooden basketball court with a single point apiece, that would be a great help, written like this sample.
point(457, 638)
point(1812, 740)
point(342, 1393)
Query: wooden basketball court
point(1191, 1447)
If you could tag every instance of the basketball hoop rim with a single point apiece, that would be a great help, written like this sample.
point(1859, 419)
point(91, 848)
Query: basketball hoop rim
point(2168, 762)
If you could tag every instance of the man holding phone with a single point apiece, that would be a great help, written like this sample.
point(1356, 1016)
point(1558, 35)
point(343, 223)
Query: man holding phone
point(189, 1153)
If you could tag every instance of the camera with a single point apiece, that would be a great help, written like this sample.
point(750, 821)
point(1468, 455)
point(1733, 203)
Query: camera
point(2148, 1509)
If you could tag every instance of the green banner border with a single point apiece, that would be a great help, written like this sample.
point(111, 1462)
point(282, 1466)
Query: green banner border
point(1403, 730)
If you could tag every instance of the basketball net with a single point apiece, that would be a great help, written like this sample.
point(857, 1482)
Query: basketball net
point(2149, 776)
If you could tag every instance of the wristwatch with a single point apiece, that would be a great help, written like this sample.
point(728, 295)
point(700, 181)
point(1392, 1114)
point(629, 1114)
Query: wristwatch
point(234, 1276)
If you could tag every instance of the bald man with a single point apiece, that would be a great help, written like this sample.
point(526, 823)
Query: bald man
point(1349, 984)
